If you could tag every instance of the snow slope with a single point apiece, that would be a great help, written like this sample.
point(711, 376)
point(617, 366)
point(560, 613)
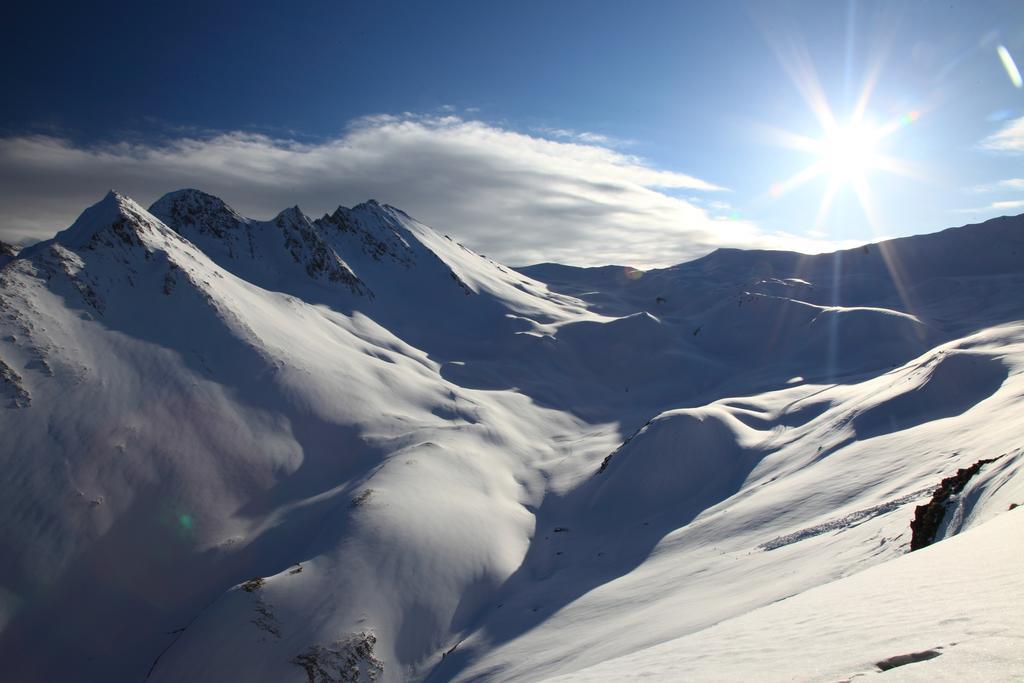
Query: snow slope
point(959, 621)
point(350, 448)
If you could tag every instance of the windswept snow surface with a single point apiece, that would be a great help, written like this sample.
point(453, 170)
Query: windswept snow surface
point(950, 612)
point(350, 448)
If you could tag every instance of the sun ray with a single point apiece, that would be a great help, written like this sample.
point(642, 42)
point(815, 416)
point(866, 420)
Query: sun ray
point(891, 164)
point(863, 192)
point(786, 138)
point(847, 154)
point(804, 176)
point(860, 108)
point(796, 61)
point(826, 202)
point(847, 150)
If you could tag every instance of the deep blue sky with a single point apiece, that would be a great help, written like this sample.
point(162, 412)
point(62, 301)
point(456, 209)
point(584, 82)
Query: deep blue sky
point(688, 87)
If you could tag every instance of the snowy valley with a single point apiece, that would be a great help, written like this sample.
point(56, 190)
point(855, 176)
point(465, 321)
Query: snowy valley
point(350, 448)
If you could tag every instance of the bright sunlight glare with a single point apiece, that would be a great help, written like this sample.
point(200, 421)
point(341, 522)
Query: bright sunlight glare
point(849, 152)
point(843, 154)
point(846, 151)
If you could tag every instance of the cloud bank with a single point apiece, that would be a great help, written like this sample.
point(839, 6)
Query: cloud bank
point(1009, 138)
point(517, 198)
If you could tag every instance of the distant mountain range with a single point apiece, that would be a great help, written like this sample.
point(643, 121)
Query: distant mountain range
point(350, 448)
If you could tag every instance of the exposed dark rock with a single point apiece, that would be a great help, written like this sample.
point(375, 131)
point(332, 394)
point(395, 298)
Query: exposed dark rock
point(928, 517)
point(608, 458)
point(350, 660)
point(191, 212)
point(458, 280)
point(307, 247)
point(361, 498)
point(7, 253)
point(377, 241)
point(903, 660)
point(253, 584)
point(12, 388)
point(170, 281)
point(453, 648)
point(265, 619)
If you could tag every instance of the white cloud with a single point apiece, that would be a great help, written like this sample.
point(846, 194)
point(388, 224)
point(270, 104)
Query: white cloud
point(518, 198)
point(1012, 184)
point(584, 137)
point(1011, 204)
point(996, 208)
point(1009, 138)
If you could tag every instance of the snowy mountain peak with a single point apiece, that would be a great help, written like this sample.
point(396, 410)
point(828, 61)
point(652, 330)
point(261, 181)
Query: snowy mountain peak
point(293, 215)
point(372, 229)
point(114, 219)
point(263, 252)
point(304, 241)
point(193, 212)
point(385, 213)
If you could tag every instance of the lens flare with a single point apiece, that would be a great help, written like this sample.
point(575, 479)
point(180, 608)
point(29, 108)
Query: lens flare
point(909, 118)
point(1011, 67)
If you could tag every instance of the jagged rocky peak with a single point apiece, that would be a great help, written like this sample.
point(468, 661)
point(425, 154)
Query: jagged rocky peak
point(292, 216)
point(193, 212)
point(376, 230)
point(368, 213)
point(306, 244)
point(297, 228)
point(114, 220)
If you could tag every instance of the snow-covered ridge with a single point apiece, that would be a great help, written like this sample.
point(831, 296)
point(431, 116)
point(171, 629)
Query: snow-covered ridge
point(351, 448)
point(255, 250)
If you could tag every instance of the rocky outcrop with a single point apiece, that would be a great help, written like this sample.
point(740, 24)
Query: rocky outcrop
point(349, 660)
point(12, 388)
point(369, 227)
point(195, 215)
point(928, 517)
point(307, 247)
point(7, 253)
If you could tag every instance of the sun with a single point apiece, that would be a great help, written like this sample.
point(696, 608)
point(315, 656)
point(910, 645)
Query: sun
point(849, 152)
point(845, 152)
point(846, 155)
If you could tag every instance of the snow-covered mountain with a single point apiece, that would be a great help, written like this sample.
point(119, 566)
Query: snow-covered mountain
point(350, 448)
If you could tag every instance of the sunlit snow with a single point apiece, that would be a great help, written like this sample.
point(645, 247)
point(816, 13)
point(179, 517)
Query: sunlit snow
point(350, 448)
